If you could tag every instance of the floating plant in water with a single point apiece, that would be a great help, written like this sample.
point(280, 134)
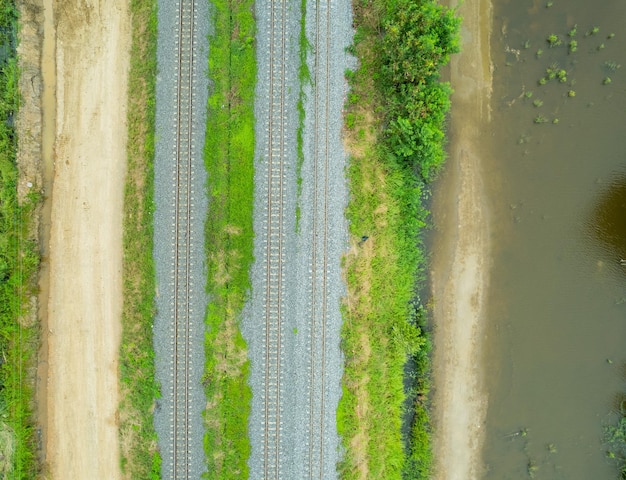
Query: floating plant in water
point(554, 40)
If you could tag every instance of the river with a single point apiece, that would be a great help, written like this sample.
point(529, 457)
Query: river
point(553, 175)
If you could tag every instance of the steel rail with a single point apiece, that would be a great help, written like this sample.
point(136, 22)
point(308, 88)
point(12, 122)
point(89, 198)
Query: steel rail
point(272, 425)
point(181, 422)
point(319, 319)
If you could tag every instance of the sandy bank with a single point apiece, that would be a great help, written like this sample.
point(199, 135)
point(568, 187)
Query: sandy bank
point(460, 264)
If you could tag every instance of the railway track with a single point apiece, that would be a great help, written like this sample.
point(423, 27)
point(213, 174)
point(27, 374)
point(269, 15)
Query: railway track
point(181, 424)
point(319, 258)
point(275, 237)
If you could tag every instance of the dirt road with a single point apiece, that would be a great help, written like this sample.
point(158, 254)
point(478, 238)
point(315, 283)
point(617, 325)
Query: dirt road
point(460, 268)
point(85, 299)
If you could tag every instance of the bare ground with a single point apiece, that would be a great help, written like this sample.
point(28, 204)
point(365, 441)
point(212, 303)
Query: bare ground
point(85, 291)
point(460, 268)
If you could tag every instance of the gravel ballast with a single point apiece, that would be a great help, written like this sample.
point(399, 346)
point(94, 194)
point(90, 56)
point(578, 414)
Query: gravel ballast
point(164, 194)
point(309, 443)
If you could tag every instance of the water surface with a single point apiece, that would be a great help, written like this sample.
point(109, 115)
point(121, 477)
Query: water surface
point(555, 345)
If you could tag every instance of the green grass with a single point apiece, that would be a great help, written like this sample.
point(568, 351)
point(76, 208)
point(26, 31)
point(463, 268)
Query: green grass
point(395, 119)
point(19, 262)
point(229, 158)
point(304, 76)
point(140, 457)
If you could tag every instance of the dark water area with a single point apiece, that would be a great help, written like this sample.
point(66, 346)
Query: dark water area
point(555, 346)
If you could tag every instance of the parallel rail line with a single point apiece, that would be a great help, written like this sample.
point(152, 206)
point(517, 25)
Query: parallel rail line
point(181, 424)
point(319, 313)
point(274, 267)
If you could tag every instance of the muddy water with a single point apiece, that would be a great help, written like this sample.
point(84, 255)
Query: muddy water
point(555, 343)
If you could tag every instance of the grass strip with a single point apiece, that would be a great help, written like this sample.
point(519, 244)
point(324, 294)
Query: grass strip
point(138, 387)
point(304, 77)
point(229, 158)
point(19, 261)
point(394, 130)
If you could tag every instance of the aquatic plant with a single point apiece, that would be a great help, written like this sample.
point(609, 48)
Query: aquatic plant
point(606, 81)
point(601, 47)
point(571, 93)
point(538, 103)
point(610, 36)
point(542, 81)
point(555, 121)
point(539, 53)
point(554, 40)
point(572, 32)
point(573, 46)
point(593, 31)
point(526, 44)
point(528, 94)
point(540, 119)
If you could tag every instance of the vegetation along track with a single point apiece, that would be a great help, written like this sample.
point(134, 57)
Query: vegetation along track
point(274, 224)
point(319, 253)
point(181, 423)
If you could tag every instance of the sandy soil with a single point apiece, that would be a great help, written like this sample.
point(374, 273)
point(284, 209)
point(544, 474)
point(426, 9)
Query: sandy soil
point(85, 300)
point(460, 268)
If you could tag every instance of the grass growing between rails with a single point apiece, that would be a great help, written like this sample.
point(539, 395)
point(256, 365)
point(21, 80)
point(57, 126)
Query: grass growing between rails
point(394, 128)
point(229, 158)
point(19, 261)
point(138, 387)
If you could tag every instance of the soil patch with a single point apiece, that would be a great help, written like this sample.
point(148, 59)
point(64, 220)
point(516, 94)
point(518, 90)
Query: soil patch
point(85, 300)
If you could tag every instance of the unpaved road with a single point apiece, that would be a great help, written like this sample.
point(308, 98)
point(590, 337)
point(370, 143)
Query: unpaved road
point(85, 300)
point(460, 268)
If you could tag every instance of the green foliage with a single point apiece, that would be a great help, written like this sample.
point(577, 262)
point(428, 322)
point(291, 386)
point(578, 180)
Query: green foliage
point(402, 107)
point(419, 37)
point(19, 261)
point(229, 158)
point(140, 458)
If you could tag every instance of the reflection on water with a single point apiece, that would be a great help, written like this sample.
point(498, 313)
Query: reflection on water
point(555, 345)
point(608, 221)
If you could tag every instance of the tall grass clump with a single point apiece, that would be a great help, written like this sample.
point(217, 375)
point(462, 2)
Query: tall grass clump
point(229, 159)
point(395, 136)
point(19, 261)
point(138, 440)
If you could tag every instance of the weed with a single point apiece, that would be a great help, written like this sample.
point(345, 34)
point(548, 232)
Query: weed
point(593, 31)
point(611, 65)
point(571, 93)
point(539, 52)
point(538, 103)
point(542, 81)
point(555, 121)
point(549, 4)
point(573, 46)
point(606, 81)
point(600, 47)
point(528, 94)
point(540, 119)
point(138, 388)
point(573, 31)
point(398, 104)
point(610, 36)
point(229, 159)
point(19, 260)
point(526, 44)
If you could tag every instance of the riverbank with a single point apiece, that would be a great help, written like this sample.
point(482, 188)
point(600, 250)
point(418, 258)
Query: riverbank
point(460, 262)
